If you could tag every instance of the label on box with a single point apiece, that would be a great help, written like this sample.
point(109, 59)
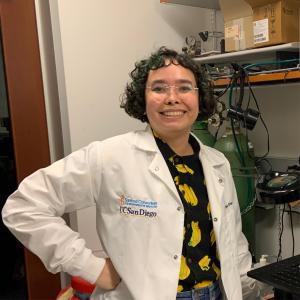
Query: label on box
point(233, 32)
point(261, 31)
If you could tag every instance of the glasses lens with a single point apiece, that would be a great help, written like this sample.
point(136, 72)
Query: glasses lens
point(160, 88)
point(182, 88)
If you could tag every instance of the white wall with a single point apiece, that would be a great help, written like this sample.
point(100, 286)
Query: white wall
point(95, 46)
point(280, 108)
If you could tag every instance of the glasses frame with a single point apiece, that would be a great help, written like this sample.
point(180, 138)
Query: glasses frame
point(168, 89)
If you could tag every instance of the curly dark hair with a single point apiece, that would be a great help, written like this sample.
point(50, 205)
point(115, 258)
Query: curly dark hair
point(133, 100)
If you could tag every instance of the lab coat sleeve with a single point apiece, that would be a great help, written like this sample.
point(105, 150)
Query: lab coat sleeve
point(34, 212)
point(249, 287)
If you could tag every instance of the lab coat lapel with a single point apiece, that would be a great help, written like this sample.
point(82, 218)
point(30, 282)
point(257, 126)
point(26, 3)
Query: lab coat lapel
point(214, 178)
point(158, 167)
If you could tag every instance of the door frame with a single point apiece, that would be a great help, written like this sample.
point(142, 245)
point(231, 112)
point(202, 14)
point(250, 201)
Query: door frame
point(28, 117)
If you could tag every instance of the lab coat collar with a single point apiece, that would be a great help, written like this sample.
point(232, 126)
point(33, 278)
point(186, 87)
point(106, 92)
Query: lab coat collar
point(145, 140)
point(205, 151)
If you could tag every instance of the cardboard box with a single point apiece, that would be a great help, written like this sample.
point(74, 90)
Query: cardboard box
point(275, 22)
point(238, 24)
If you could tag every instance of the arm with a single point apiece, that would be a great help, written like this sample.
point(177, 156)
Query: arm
point(109, 278)
point(34, 212)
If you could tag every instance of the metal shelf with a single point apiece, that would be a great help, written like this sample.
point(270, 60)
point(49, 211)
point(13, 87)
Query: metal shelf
point(248, 55)
point(213, 4)
point(273, 78)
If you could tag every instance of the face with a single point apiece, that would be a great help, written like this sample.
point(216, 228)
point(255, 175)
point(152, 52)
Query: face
point(171, 107)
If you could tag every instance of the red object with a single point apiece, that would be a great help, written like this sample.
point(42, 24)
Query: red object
point(81, 285)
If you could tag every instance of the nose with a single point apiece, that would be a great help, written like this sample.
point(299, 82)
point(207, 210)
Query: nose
point(172, 96)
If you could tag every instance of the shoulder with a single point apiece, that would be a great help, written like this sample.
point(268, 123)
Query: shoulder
point(117, 144)
point(122, 140)
point(212, 157)
point(213, 152)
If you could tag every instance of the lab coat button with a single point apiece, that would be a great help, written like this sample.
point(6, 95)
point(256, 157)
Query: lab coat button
point(156, 169)
point(175, 256)
point(179, 208)
point(220, 180)
point(215, 219)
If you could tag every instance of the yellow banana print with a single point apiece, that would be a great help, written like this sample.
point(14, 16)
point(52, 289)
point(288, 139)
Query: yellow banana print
point(204, 263)
point(202, 284)
point(184, 169)
point(181, 167)
point(189, 194)
point(208, 208)
point(184, 269)
point(179, 288)
point(196, 235)
point(217, 270)
point(212, 237)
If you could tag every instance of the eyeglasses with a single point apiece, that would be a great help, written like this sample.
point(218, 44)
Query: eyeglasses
point(162, 88)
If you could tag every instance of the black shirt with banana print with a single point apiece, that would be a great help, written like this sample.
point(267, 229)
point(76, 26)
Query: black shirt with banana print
point(200, 265)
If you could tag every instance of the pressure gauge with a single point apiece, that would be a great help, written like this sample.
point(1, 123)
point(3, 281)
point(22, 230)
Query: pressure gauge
point(190, 41)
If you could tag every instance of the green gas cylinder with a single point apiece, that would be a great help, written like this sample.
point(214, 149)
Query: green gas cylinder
point(240, 153)
point(200, 129)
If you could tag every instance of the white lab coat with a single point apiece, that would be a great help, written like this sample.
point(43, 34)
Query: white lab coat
point(139, 217)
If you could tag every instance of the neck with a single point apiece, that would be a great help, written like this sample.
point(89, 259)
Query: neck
point(180, 145)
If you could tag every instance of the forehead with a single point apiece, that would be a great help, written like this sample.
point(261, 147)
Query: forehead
point(171, 73)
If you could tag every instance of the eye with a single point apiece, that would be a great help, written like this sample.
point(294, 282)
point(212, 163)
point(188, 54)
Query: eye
point(185, 88)
point(159, 89)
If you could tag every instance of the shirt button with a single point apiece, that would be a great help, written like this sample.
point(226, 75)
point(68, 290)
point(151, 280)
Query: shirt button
point(190, 260)
point(215, 219)
point(188, 225)
point(175, 256)
point(156, 169)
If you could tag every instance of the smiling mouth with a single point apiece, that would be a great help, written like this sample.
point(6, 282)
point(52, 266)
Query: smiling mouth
point(173, 113)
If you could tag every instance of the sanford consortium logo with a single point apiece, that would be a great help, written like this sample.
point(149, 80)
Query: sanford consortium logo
point(136, 207)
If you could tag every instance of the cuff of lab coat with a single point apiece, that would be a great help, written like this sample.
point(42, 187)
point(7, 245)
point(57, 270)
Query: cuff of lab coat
point(92, 268)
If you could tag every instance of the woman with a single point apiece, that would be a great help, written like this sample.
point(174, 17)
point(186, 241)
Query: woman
point(167, 212)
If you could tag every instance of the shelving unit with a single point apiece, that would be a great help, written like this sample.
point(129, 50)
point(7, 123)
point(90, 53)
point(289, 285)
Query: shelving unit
point(255, 56)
